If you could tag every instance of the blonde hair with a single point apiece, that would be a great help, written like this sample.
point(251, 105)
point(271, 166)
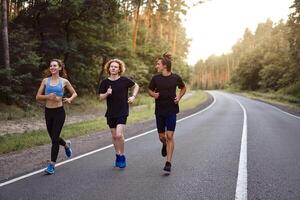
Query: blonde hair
point(121, 66)
point(62, 72)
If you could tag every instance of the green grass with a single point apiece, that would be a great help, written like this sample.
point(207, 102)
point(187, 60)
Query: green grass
point(12, 112)
point(148, 111)
point(198, 98)
point(84, 104)
point(275, 98)
point(279, 98)
point(144, 111)
point(14, 142)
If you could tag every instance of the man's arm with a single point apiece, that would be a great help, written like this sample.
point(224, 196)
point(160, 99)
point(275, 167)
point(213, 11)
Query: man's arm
point(180, 95)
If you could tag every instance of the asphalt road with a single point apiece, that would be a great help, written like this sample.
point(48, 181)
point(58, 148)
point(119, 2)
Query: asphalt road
point(211, 161)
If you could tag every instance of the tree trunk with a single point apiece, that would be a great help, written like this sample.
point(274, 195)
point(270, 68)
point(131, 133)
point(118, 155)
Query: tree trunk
point(159, 24)
point(148, 20)
point(228, 68)
point(171, 24)
point(5, 35)
point(174, 41)
point(136, 25)
point(102, 70)
point(67, 32)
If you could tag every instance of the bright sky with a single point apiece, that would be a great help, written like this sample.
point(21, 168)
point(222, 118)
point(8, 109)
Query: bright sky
point(216, 25)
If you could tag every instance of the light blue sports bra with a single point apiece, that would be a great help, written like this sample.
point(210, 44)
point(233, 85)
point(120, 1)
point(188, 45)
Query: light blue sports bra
point(57, 89)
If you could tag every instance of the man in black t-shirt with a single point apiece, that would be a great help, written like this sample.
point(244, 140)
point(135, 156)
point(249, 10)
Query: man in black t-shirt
point(162, 88)
point(115, 90)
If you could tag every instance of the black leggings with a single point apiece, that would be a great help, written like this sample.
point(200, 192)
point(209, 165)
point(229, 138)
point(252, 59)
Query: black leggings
point(55, 118)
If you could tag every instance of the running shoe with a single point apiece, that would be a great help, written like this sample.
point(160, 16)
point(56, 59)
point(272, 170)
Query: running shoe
point(167, 167)
point(117, 163)
point(68, 150)
point(50, 169)
point(122, 163)
point(164, 150)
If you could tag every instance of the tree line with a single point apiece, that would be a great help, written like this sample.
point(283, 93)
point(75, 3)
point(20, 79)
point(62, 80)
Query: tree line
point(85, 34)
point(267, 59)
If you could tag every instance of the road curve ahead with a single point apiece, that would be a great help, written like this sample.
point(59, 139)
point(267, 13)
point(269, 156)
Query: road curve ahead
point(235, 149)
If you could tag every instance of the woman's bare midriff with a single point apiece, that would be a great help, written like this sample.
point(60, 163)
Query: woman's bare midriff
point(54, 104)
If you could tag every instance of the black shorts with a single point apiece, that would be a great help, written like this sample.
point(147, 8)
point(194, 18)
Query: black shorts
point(167, 122)
point(114, 121)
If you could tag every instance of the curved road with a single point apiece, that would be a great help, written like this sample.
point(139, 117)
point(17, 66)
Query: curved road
point(236, 148)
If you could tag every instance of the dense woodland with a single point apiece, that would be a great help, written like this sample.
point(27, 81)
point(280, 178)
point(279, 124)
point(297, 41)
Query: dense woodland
point(85, 34)
point(266, 60)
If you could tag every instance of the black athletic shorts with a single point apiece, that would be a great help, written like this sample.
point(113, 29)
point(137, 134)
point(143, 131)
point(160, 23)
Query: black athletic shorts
point(167, 122)
point(113, 122)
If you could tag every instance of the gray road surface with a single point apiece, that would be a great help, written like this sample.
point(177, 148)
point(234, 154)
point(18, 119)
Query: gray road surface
point(205, 165)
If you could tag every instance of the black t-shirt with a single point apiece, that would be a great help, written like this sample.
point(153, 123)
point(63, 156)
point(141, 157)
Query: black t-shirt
point(166, 86)
point(117, 102)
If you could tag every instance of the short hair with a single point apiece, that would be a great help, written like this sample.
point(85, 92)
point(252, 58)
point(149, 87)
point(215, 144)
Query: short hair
point(121, 66)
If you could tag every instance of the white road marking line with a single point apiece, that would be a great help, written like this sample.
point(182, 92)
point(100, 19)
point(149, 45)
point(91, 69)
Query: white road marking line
point(101, 149)
point(283, 111)
point(242, 179)
point(241, 185)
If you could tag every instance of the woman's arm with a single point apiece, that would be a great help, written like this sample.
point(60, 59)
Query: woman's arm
point(71, 90)
point(39, 95)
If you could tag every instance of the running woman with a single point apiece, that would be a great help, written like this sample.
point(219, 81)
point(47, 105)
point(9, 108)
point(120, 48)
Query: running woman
point(162, 88)
point(51, 91)
point(115, 90)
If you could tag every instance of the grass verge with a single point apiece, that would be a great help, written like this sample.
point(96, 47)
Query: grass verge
point(143, 111)
point(276, 98)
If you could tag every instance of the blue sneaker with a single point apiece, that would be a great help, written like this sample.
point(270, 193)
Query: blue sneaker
point(50, 168)
point(117, 163)
point(122, 163)
point(68, 150)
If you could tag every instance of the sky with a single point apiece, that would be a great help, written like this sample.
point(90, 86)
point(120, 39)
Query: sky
point(215, 26)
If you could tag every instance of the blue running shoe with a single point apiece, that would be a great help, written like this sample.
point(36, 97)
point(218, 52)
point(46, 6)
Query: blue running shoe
point(122, 163)
point(68, 150)
point(117, 163)
point(50, 169)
